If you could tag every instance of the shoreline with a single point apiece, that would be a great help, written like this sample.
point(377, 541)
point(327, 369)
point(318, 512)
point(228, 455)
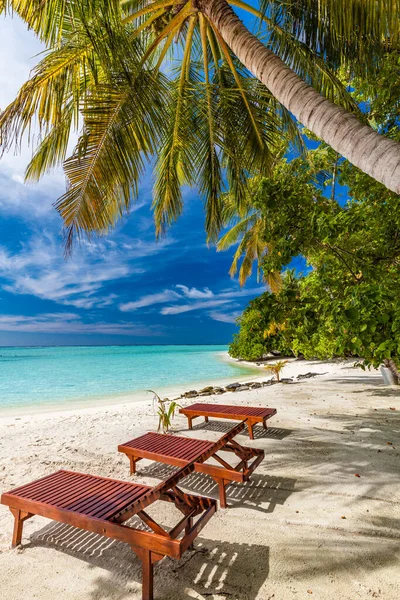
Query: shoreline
point(144, 397)
point(123, 398)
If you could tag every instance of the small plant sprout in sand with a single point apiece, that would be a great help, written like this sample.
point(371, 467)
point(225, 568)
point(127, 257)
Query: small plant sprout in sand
point(276, 368)
point(165, 411)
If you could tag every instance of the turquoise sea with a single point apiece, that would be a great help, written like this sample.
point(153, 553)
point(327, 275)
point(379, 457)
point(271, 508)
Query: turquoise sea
point(51, 376)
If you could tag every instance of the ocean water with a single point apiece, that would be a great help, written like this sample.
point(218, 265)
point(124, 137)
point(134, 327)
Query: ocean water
point(51, 376)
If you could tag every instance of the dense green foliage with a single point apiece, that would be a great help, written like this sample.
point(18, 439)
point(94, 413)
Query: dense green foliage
point(346, 303)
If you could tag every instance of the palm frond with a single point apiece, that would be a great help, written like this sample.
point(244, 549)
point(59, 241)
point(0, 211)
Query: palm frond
point(210, 167)
point(52, 150)
point(350, 33)
point(274, 281)
point(62, 77)
point(176, 160)
point(104, 171)
point(234, 234)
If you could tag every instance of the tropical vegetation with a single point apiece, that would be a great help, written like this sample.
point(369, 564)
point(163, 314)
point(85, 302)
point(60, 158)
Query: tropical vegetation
point(166, 410)
point(276, 368)
point(187, 84)
point(344, 302)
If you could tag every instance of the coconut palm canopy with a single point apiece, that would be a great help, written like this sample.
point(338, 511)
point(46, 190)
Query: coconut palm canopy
point(172, 81)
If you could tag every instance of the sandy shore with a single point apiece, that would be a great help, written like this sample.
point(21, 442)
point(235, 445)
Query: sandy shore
point(305, 526)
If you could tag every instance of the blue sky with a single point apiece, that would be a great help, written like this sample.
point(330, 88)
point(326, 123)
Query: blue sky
point(122, 289)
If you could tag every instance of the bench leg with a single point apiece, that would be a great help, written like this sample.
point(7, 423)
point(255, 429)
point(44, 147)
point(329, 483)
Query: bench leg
point(222, 483)
point(190, 422)
point(19, 518)
point(250, 428)
point(206, 419)
point(148, 559)
point(222, 493)
point(188, 529)
point(132, 462)
point(265, 424)
point(147, 576)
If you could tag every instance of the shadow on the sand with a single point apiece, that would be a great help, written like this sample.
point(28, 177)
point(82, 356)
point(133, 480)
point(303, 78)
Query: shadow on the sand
point(342, 556)
point(259, 432)
point(384, 392)
point(367, 443)
point(262, 492)
point(211, 568)
point(379, 388)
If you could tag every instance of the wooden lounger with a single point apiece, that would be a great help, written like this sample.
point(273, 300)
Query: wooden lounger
point(102, 505)
point(178, 451)
point(251, 414)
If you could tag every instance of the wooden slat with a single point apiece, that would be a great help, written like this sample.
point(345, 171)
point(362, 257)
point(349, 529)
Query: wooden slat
point(228, 411)
point(167, 445)
point(79, 493)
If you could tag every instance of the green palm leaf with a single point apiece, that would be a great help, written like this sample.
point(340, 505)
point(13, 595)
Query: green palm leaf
point(119, 134)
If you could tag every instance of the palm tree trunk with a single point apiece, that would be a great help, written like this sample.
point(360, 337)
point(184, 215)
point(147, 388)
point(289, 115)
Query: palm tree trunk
point(391, 365)
point(374, 154)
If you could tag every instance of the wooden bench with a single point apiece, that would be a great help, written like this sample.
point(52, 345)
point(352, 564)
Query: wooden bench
point(252, 414)
point(101, 505)
point(178, 451)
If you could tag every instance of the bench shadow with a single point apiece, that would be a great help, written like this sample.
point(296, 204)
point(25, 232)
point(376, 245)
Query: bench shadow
point(212, 567)
point(259, 432)
point(384, 392)
point(366, 380)
point(262, 493)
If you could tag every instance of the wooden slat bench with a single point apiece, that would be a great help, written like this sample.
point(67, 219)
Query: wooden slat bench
point(101, 505)
point(178, 451)
point(252, 414)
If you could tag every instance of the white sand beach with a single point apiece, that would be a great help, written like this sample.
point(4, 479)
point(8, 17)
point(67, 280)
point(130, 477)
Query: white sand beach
point(320, 518)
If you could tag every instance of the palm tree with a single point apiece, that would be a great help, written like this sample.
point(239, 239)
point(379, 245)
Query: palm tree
point(246, 223)
point(246, 230)
point(182, 80)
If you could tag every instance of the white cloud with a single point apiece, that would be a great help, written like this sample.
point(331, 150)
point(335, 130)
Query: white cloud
point(238, 293)
point(165, 296)
point(182, 308)
point(70, 323)
point(198, 300)
point(195, 293)
point(40, 270)
point(224, 317)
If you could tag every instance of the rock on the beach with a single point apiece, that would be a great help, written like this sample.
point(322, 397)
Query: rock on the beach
point(255, 385)
point(306, 375)
point(191, 394)
point(207, 389)
point(242, 388)
point(232, 386)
